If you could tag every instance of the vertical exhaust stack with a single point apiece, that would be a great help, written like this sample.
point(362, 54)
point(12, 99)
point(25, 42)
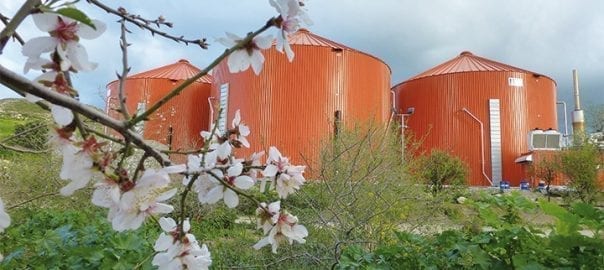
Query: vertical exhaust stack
point(578, 116)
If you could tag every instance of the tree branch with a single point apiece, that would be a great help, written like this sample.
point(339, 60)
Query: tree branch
point(22, 85)
point(202, 73)
point(10, 28)
point(136, 20)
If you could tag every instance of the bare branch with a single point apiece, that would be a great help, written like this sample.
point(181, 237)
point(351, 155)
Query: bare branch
point(145, 24)
point(16, 36)
point(22, 85)
point(11, 27)
point(202, 73)
point(125, 69)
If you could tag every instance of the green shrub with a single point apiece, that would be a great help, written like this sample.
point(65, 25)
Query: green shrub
point(509, 243)
point(31, 135)
point(51, 239)
point(440, 169)
point(580, 164)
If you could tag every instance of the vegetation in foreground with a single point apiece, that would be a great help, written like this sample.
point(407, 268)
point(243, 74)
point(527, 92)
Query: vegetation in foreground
point(365, 211)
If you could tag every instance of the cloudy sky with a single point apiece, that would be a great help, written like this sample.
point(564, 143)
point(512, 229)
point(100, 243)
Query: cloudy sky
point(547, 37)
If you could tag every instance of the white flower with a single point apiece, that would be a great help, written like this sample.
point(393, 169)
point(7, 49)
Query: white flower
point(53, 81)
point(177, 254)
point(233, 179)
point(64, 36)
point(223, 148)
point(107, 194)
point(4, 218)
point(194, 165)
point(288, 23)
point(240, 60)
point(146, 198)
point(240, 130)
point(289, 178)
point(285, 230)
point(268, 215)
point(254, 161)
point(77, 167)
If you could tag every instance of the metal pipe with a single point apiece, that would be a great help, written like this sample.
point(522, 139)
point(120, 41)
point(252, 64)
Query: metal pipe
point(578, 116)
point(481, 144)
point(576, 90)
point(393, 100)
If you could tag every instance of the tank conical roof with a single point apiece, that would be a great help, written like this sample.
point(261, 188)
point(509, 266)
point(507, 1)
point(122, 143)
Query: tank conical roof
point(304, 37)
point(468, 62)
point(180, 70)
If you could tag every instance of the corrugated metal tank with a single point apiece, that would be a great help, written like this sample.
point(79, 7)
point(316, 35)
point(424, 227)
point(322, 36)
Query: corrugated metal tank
point(293, 105)
point(178, 123)
point(509, 102)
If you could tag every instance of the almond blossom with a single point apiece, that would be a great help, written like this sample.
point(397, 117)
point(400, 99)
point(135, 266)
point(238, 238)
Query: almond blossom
point(240, 130)
point(77, 167)
point(286, 229)
point(217, 142)
point(146, 198)
point(268, 215)
point(288, 178)
point(175, 252)
point(288, 22)
point(250, 54)
point(234, 178)
point(107, 194)
point(4, 221)
point(65, 34)
point(4, 218)
point(54, 81)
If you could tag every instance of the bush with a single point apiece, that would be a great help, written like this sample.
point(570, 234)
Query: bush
point(51, 239)
point(440, 169)
point(31, 135)
point(361, 193)
point(580, 164)
point(508, 244)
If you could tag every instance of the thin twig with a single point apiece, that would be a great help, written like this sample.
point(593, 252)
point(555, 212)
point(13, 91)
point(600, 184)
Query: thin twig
point(11, 27)
point(32, 199)
point(16, 36)
point(144, 24)
point(125, 69)
point(176, 91)
point(22, 149)
point(22, 85)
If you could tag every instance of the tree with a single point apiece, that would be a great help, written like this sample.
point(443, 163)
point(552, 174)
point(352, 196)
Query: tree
point(131, 190)
point(440, 169)
point(595, 117)
point(547, 169)
point(580, 165)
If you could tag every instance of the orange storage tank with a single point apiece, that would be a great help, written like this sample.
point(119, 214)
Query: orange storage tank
point(178, 123)
point(481, 111)
point(293, 106)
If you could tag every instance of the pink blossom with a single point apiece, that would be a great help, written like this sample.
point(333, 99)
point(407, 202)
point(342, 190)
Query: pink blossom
point(175, 252)
point(288, 178)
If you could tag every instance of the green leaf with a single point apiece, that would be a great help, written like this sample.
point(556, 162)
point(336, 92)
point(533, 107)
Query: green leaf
point(77, 15)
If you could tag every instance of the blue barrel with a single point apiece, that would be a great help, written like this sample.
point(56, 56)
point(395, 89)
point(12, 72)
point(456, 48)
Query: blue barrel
point(524, 185)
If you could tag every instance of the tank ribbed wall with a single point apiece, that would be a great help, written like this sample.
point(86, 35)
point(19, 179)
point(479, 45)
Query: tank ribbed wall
point(292, 105)
point(177, 123)
point(439, 119)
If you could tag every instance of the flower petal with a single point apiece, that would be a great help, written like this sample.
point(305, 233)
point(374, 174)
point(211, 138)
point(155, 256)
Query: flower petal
point(39, 45)
point(244, 182)
point(167, 224)
point(79, 57)
point(87, 32)
point(45, 21)
point(61, 115)
point(230, 198)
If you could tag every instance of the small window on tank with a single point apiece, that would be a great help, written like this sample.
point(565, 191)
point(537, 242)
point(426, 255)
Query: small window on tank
point(516, 82)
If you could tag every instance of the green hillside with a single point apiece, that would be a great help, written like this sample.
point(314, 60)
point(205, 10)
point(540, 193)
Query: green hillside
point(14, 111)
